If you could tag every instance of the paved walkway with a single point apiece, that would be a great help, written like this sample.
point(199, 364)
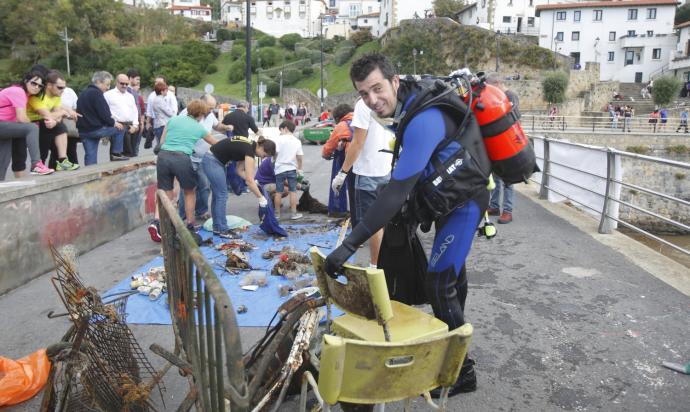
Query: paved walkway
point(565, 319)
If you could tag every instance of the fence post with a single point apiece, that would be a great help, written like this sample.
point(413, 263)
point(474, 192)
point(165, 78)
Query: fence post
point(544, 190)
point(606, 223)
point(533, 122)
point(593, 120)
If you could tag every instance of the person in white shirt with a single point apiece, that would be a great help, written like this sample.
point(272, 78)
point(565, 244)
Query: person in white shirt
point(288, 167)
point(170, 99)
point(370, 165)
point(123, 108)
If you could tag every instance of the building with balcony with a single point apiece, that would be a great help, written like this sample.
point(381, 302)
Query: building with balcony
point(680, 59)
point(277, 17)
point(192, 9)
point(506, 16)
point(394, 11)
point(632, 39)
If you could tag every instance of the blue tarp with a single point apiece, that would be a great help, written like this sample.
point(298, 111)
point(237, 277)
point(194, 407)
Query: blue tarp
point(261, 304)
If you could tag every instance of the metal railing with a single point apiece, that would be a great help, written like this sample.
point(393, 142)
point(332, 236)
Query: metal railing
point(203, 320)
point(611, 195)
point(603, 124)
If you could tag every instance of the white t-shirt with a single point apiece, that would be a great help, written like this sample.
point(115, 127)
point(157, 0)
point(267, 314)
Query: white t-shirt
point(288, 147)
point(69, 98)
point(201, 146)
point(371, 162)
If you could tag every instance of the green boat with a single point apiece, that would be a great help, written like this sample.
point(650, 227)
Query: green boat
point(318, 134)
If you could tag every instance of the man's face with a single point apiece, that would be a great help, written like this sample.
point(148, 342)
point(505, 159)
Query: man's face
point(56, 89)
point(135, 81)
point(378, 93)
point(104, 86)
point(122, 83)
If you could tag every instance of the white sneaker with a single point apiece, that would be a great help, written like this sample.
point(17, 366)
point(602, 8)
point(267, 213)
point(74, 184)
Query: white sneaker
point(296, 216)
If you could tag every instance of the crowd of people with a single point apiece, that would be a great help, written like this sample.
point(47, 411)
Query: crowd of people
point(42, 116)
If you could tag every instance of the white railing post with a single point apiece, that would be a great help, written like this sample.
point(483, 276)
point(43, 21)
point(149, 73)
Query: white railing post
point(544, 190)
point(606, 224)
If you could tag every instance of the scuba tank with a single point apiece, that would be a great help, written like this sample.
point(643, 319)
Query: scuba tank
point(507, 146)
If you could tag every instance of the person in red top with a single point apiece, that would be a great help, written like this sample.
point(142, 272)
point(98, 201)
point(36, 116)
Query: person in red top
point(325, 115)
point(335, 149)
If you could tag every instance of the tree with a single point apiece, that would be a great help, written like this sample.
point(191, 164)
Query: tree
point(288, 41)
point(682, 13)
point(554, 86)
point(665, 89)
point(447, 8)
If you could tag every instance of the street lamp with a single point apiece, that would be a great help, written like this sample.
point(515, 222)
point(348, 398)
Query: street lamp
point(555, 53)
point(258, 88)
point(64, 37)
point(497, 33)
point(414, 59)
point(321, 90)
point(248, 59)
point(596, 49)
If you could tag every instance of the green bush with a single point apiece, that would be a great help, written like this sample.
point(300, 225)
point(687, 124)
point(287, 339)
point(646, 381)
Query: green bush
point(223, 35)
point(269, 57)
point(361, 36)
point(273, 89)
point(237, 51)
point(236, 71)
point(211, 68)
point(678, 149)
point(638, 149)
point(554, 86)
point(266, 41)
point(289, 41)
point(308, 71)
point(315, 56)
point(343, 55)
point(666, 89)
point(291, 76)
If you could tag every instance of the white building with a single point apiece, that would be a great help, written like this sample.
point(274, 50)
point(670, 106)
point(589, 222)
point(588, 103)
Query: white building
point(506, 16)
point(277, 18)
point(369, 21)
point(632, 39)
point(146, 3)
point(192, 9)
point(393, 11)
point(680, 59)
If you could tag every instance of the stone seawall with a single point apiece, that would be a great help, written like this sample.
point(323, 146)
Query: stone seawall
point(669, 180)
point(85, 208)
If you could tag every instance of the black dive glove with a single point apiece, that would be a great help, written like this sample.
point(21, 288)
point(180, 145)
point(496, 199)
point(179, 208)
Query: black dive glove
point(336, 259)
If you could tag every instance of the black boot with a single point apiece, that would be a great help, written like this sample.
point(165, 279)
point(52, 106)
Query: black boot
point(467, 381)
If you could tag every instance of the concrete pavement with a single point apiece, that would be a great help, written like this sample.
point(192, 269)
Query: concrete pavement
point(565, 319)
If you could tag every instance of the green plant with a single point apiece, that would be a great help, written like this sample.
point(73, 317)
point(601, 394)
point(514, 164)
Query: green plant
point(638, 149)
point(678, 149)
point(223, 35)
point(266, 41)
point(211, 68)
point(554, 86)
point(307, 71)
point(288, 41)
point(666, 89)
point(361, 36)
point(447, 8)
point(343, 55)
point(273, 89)
point(236, 71)
point(237, 51)
point(680, 176)
point(291, 76)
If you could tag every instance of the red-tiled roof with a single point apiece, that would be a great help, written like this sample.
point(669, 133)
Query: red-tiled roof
point(604, 4)
point(189, 7)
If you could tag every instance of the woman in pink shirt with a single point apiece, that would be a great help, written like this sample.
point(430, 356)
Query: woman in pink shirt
point(15, 124)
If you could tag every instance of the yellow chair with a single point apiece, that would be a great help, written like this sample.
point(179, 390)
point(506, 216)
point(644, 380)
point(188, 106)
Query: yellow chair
point(363, 372)
point(370, 314)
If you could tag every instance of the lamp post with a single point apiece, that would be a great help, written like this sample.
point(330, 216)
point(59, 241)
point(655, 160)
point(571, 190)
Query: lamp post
point(258, 88)
point(399, 67)
point(555, 53)
point(497, 33)
point(248, 60)
point(596, 49)
point(64, 37)
point(414, 61)
point(321, 90)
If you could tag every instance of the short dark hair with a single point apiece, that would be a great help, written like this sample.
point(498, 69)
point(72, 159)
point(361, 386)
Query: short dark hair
point(287, 124)
point(340, 111)
point(268, 145)
point(132, 73)
point(366, 64)
point(53, 76)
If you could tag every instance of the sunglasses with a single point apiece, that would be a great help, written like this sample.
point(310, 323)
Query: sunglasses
point(36, 84)
point(61, 87)
point(123, 84)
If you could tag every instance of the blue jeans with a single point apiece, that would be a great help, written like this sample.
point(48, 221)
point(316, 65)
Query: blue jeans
point(290, 177)
point(90, 141)
point(496, 196)
point(202, 191)
point(215, 172)
point(365, 194)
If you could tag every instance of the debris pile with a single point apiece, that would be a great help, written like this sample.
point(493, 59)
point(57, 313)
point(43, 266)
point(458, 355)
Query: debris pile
point(151, 283)
point(236, 261)
point(291, 264)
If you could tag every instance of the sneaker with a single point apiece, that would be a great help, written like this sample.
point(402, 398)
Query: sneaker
point(467, 381)
point(155, 231)
point(227, 234)
point(493, 211)
point(203, 218)
point(296, 216)
point(118, 157)
point(41, 169)
point(506, 217)
point(66, 166)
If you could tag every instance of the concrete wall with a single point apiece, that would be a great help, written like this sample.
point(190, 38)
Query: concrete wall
point(86, 208)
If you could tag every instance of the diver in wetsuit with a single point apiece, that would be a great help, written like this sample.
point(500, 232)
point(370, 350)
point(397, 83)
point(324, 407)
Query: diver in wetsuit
point(440, 177)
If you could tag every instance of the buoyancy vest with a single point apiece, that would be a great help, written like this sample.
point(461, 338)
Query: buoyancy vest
point(460, 165)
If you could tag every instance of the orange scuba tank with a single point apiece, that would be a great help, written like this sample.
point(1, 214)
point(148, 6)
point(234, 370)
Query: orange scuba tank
point(506, 144)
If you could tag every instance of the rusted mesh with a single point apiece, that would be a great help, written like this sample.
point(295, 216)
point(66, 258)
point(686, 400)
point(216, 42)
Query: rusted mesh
point(102, 368)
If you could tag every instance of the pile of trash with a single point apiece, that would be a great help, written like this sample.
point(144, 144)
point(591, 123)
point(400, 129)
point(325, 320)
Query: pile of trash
point(291, 264)
point(236, 251)
point(152, 283)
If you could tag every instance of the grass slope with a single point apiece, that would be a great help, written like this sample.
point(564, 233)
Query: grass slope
point(336, 78)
